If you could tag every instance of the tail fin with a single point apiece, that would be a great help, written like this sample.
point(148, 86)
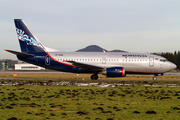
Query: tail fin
point(28, 42)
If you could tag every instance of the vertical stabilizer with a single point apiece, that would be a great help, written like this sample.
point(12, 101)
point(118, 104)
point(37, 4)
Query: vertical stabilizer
point(28, 42)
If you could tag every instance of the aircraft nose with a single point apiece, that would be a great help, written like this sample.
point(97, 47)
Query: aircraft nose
point(173, 66)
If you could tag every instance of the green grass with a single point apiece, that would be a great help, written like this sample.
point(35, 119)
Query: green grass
point(73, 102)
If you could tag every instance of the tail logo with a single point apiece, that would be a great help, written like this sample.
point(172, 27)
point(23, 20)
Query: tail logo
point(47, 60)
point(29, 40)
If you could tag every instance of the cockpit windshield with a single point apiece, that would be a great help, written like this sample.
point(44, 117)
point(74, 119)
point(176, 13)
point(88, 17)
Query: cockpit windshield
point(163, 60)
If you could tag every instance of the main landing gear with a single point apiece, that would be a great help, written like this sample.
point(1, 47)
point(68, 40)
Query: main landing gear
point(94, 77)
point(154, 78)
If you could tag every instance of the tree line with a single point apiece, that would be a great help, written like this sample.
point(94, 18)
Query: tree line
point(172, 57)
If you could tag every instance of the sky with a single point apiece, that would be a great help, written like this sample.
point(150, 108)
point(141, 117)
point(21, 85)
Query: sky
point(142, 26)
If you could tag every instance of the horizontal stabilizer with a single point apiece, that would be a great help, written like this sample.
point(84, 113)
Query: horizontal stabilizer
point(20, 53)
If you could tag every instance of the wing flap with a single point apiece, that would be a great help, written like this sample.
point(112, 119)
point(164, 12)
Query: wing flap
point(86, 66)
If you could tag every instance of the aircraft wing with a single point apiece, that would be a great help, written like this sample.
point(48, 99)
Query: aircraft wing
point(20, 53)
point(86, 66)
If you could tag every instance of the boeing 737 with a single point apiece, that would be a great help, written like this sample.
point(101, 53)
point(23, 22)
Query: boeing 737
point(111, 64)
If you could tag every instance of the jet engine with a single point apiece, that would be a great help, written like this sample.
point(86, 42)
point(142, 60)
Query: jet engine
point(115, 72)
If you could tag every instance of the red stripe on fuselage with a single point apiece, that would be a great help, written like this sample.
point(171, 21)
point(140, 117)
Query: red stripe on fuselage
point(58, 61)
point(122, 71)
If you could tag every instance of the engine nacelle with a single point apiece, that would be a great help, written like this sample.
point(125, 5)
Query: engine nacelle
point(115, 72)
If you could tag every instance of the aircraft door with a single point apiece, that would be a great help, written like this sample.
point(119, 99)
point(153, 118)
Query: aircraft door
point(161, 66)
point(151, 61)
point(47, 60)
point(103, 60)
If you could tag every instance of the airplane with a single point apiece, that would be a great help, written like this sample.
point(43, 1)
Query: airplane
point(111, 64)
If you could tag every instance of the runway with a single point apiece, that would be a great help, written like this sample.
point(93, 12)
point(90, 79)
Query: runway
point(87, 80)
point(134, 78)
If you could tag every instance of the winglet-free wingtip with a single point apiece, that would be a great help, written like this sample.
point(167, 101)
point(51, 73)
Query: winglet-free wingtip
point(18, 19)
point(6, 50)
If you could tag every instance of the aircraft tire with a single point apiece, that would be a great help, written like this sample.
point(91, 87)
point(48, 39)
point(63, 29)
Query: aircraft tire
point(94, 77)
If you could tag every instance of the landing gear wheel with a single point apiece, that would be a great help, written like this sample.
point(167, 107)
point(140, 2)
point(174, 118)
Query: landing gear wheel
point(154, 78)
point(94, 77)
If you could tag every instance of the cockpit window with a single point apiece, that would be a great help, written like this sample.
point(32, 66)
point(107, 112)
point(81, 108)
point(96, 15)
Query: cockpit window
point(163, 60)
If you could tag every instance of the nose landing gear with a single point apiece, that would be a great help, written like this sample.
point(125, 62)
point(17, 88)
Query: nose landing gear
point(154, 78)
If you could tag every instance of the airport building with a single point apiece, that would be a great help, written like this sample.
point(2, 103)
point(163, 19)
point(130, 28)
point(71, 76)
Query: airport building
point(8, 64)
point(28, 67)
